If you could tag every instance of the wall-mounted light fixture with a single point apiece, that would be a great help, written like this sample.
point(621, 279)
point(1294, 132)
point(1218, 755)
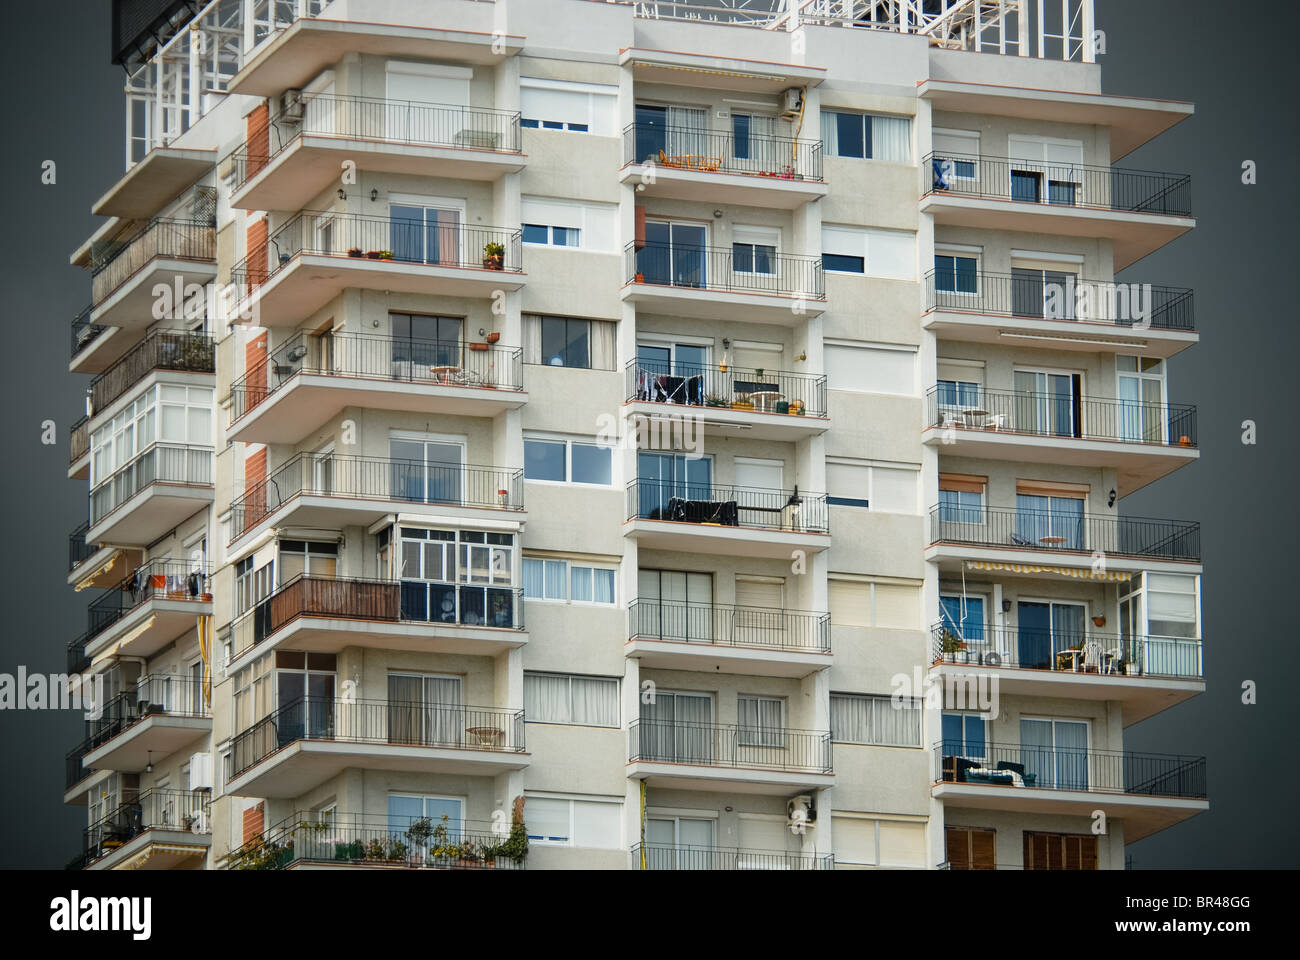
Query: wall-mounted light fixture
point(717, 214)
point(1111, 501)
point(1006, 606)
point(374, 194)
point(342, 195)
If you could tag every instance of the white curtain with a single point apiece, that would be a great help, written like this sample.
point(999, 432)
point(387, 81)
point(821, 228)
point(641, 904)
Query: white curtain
point(875, 720)
point(532, 345)
point(687, 127)
point(594, 701)
point(602, 345)
point(891, 139)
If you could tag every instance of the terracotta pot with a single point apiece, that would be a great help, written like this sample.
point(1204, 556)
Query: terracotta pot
point(492, 337)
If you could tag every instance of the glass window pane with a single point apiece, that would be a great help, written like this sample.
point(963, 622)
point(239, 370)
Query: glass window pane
point(581, 592)
point(544, 460)
point(592, 464)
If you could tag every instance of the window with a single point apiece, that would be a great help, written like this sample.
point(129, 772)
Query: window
point(457, 576)
point(428, 231)
point(965, 735)
point(971, 849)
point(568, 342)
point(1055, 521)
point(252, 585)
point(674, 254)
point(164, 413)
point(867, 136)
point(1143, 413)
point(1040, 161)
point(963, 616)
point(427, 470)
point(1044, 629)
point(887, 254)
point(567, 223)
point(561, 580)
point(754, 249)
point(673, 605)
point(1039, 292)
point(567, 461)
point(404, 810)
point(763, 141)
point(551, 236)
point(954, 274)
point(879, 841)
point(956, 156)
point(885, 489)
point(1055, 752)
point(563, 105)
point(875, 720)
point(1048, 402)
point(961, 499)
point(679, 843)
point(561, 822)
point(571, 699)
point(666, 133)
point(857, 603)
point(761, 721)
point(663, 477)
point(307, 558)
point(423, 341)
point(591, 584)
point(870, 369)
point(252, 696)
point(1059, 851)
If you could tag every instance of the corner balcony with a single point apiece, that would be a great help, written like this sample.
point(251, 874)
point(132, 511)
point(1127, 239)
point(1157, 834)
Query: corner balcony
point(667, 856)
point(318, 254)
point(1149, 791)
point(1139, 210)
point(309, 741)
point(1144, 674)
point(325, 615)
point(752, 641)
point(127, 268)
point(163, 714)
point(97, 564)
point(729, 401)
point(310, 379)
point(79, 450)
point(1143, 441)
point(150, 494)
point(170, 350)
point(159, 830)
point(737, 521)
point(725, 757)
point(302, 151)
point(331, 492)
point(93, 348)
point(147, 610)
point(1071, 314)
point(687, 163)
point(714, 283)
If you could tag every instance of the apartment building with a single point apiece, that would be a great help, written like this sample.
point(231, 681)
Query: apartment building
point(582, 434)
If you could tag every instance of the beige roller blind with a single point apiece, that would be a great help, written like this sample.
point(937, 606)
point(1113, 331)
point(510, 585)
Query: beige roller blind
point(759, 593)
point(897, 606)
point(850, 603)
point(763, 834)
point(855, 840)
point(901, 844)
point(1047, 488)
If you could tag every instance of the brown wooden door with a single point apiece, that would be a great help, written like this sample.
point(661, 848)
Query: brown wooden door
point(970, 849)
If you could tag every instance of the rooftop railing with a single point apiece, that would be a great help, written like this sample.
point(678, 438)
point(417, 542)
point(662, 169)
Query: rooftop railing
point(729, 745)
point(732, 151)
point(743, 268)
point(728, 506)
point(710, 385)
point(708, 624)
point(173, 239)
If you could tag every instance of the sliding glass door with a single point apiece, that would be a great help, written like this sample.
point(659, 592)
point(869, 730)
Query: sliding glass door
point(1045, 629)
point(675, 605)
point(1047, 403)
point(1055, 752)
point(426, 471)
point(678, 843)
point(1142, 399)
point(665, 476)
point(674, 254)
point(425, 710)
point(425, 234)
point(677, 728)
point(1055, 522)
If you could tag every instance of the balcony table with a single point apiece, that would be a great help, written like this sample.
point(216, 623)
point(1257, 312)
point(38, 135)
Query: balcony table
point(487, 736)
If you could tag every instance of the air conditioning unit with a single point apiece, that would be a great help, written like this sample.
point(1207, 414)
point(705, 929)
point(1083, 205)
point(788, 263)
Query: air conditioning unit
point(801, 810)
point(201, 771)
point(291, 107)
point(791, 103)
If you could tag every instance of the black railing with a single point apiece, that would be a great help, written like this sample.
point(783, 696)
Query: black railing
point(451, 363)
point(713, 151)
point(729, 745)
point(178, 810)
point(83, 331)
point(160, 579)
point(370, 118)
point(1058, 184)
point(158, 463)
point(160, 350)
point(667, 856)
point(1030, 766)
point(707, 623)
point(382, 239)
point(173, 239)
point(728, 506)
point(1044, 530)
point(1139, 305)
point(1065, 651)
point(742, 268)
point(377, 478)
point(723, 385)
point(1066, 415)
point(79, 440)
point(79, 551)
point(158, 694)
point(379, 722)
point(78, 662)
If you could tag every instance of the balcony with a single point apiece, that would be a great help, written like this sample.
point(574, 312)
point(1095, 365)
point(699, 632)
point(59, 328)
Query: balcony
point(79, 450)
point(91, 352)
point(1149, 791)
point(1143, 441)
point(729, 400)
point(1071, 314)
point(172, 350)
point(153, 492)
point(97, 564)
point(163, 714)
point(302, 151)
point(666, 856)
point(125, 272)
point(307, 742)
point(752, 641)
point(318, 254)
point(331, 491)
point(712, 518)
point(716, 283)
point(160, 830)
point(1139, 210)
point(325, 615)
point(148, 609)
point(310, 379)
point(714, 756)
point(686, 163)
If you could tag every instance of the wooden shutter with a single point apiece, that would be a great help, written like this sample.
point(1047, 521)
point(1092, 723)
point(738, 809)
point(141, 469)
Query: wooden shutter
point(1048, 488)
point(257, 126)
point(254, 821)
point(640, 226)
point(254, 491)
point(962, 482)
point(1060, 851)
point(255, 247)
point(970, 849)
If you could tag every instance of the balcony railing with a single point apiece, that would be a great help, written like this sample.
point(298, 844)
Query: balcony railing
point(377, 478)
point(1062, 533)
point(79, 551)
point(705, 623)
point(729, 745)
point(78, 662)
point(161, 350)
point(1058, 184)
point(179, 810)
point(382, 239)
point(159, 463)
point(159, 579)
point(451, 363)
point(711, 151)
point(710, 503)
point(83, 331)
point(1084, 652)
point(79, 440)
point(379, 723)
point(172, 239)
point(1140, 305)
point(394, 121)
point(1036, 767)
point(711, 385)
point(160, 694)
point(666, 856)
point(743, 268)
point(1064, 415)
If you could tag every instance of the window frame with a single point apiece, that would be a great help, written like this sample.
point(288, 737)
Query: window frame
point(569, 443)
point(570, 677)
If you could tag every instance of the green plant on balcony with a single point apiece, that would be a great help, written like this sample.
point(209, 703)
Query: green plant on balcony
point(951, 644)
point(494, 255)
point(199, 353)
point(387, 849)
point(260, 854)
point(713, 400)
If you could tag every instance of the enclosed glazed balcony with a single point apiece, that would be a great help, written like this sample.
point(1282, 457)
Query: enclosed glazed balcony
point(161, 715)
point(684, 754)
point(151, 493)
point(126, 268)
point(159, 830)
point(148, 609)
point(668, 856)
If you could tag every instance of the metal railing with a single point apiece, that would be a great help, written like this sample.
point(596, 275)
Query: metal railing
point(154, 809)
point(1062, 415)
point(156, 695)
point(1036, 767)
point(382, 723)
point(729, 745)
point(1057, 184)
point(83, 331)
point(78, 662)
point(160, 350)
point(728, 506)
point(382, 239)
point(79, 551)
point(727, 386)
point(667, 856)
point(175, 239)
point(739, 269)
point(372, 118)
point(1139, 305)
point(714, 151)
point(1043, 530)
point(707, 623)
point(159, 579)
point(377, 478)
point(451, 363)
point(1085, 651)
point(79, 440)
point(158, 463)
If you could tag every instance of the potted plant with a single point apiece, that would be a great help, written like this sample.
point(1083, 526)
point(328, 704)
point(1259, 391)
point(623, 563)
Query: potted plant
point(419, 833)
point(355, 252)
point(640, 278)
point(475, 345)
point(1099, 621)
point(494, 255)
point(951, 645)
point(385, 254)
point(373, 254)
point(796, 408)
point(713, 400)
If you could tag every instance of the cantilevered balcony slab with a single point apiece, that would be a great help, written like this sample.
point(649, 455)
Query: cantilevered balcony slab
point(164, 485)
point(720, 757)
point(158, 179)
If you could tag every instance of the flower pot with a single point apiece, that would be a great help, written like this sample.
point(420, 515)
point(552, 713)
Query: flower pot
point(1184, 441)
point(206, 598)
point(782, 406)
point(492, 337)
point(497, 262)
point(640, 278)
point(1099, 621)
point(478, 347)
point(372, 254)
point(355, 252)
